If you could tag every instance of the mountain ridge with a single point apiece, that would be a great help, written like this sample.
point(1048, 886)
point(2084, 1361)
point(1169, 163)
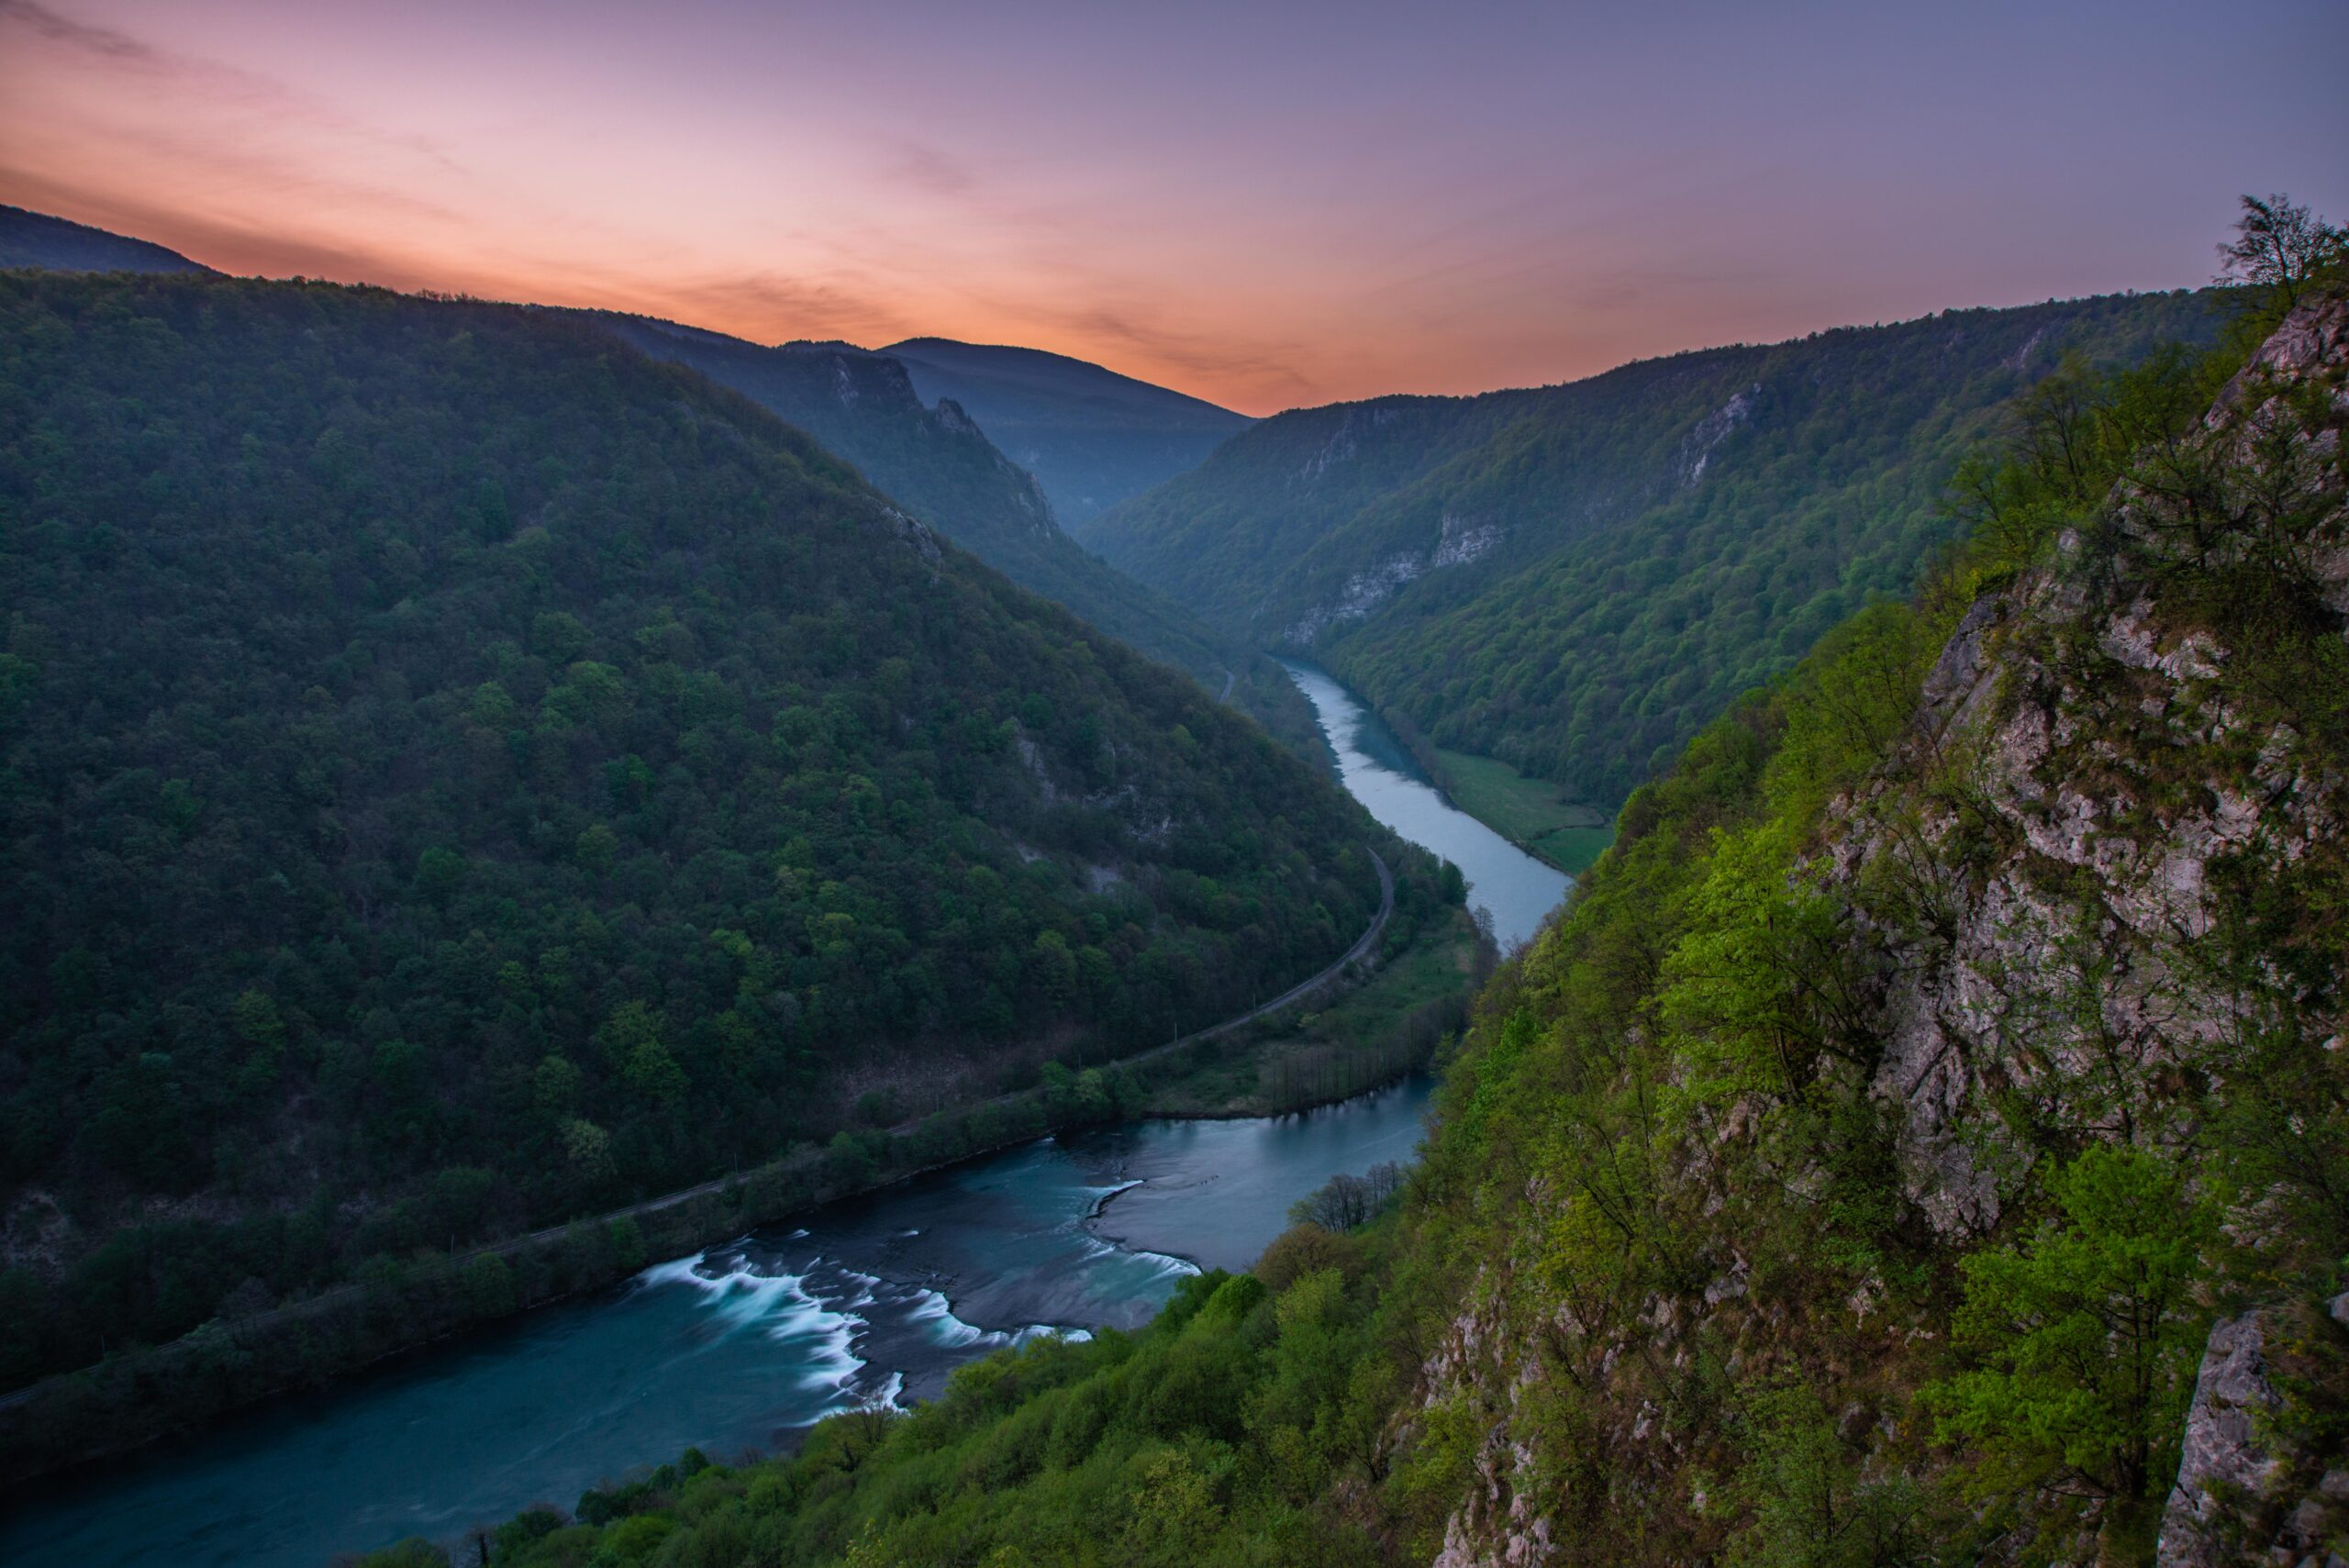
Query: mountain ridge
point(1919, 1140)
point(1572, 579)
point(39, 239)
point(864, 405)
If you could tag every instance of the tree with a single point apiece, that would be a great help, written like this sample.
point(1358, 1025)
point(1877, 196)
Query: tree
point(1346, 1201)
point(2087, 1338)
point(2281, 247)
point(1810, 1500)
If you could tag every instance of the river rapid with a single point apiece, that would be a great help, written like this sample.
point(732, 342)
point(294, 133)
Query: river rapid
point(874, 1299)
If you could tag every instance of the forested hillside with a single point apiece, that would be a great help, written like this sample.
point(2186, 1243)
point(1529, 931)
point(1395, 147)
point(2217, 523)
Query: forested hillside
point(1578, 578)
point(457, 773)
point(943, 467)
point(1922, 1140)
point(1090, 436)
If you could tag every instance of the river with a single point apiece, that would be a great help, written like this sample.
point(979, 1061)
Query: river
point(1516, 890)
point(875, 1298)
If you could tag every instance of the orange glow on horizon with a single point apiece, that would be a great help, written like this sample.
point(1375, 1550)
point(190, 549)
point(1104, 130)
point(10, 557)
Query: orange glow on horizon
point(1263, 211)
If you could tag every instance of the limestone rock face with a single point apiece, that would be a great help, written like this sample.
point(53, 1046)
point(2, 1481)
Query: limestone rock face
point(2223, 1461)
point(2079, 779)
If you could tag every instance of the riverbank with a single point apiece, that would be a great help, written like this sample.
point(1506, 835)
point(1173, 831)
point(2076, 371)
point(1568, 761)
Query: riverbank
point(401, 1306)
point(1531, 813)
point(1528, 812)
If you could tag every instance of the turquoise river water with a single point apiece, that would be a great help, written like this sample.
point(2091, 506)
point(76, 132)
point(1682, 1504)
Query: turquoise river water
point(741, 1346)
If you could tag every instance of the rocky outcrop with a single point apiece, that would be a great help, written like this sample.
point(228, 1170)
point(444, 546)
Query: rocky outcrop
point(1696, 450)
point(2223, 1466)
point(1458, 542)
point(2093, 736)
point(2034, 892)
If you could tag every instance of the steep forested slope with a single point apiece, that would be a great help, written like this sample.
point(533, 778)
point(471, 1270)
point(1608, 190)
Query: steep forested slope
point(456, 772)
point(1092, 437)
point(1574, 579)
point(941, 466)
point(1922, 1140)
point(57, 244)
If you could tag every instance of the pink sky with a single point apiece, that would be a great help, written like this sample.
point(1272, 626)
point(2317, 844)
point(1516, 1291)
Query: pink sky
point(1264, 206)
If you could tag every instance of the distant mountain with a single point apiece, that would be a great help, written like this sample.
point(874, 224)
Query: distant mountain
point(1091, 436)
point(864, 407)
point(1574, 579)
point(36, 239)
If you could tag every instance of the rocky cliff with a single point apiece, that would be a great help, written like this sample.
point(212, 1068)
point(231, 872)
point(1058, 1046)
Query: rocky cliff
point(1955, 1151)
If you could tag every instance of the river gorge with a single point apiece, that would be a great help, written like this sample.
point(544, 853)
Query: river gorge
point(870, 1300)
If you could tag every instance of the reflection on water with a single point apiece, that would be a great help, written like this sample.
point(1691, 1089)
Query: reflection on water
point(1518, 890)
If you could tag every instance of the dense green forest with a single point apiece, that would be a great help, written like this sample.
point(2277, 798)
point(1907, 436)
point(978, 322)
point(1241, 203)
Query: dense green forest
point(941, 467)
point(457, 773)
point(1091, 437)
point(1576, 579)
point(1945, 1054)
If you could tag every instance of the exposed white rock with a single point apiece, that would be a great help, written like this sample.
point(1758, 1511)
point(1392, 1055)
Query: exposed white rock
point(2223, 1461)
point(1459, 543)
point(1697, 448)
point(1362, 593)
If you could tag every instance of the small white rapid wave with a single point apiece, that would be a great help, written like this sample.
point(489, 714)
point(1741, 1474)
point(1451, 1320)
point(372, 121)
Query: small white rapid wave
point(1160, 1265)
point(785, 1306)
point(934, 1315)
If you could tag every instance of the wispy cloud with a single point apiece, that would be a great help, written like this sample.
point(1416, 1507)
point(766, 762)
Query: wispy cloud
point(105, 41)
point(217, 85)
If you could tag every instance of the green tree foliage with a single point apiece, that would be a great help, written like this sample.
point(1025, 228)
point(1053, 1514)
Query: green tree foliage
point(1664, 1224)
point(435, 735)
point(1209, 1438)
point(2087, 1333)
point(939, 464)
point(1806, 1498)
point(1658, 1282)
point(1585, 575)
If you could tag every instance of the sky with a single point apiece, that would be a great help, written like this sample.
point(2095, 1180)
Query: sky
point(1264, 204)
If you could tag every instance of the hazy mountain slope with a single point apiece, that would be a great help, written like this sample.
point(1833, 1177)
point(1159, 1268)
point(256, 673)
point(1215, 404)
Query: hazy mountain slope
point(1091, 436)
point(863, 406)
point(36, 239)
point(454, 776)
point(1574, 579)
point(1922, 1141)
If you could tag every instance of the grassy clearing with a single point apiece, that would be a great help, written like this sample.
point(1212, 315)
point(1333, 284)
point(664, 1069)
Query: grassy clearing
point(1528, 812)
point(1375, 1033)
